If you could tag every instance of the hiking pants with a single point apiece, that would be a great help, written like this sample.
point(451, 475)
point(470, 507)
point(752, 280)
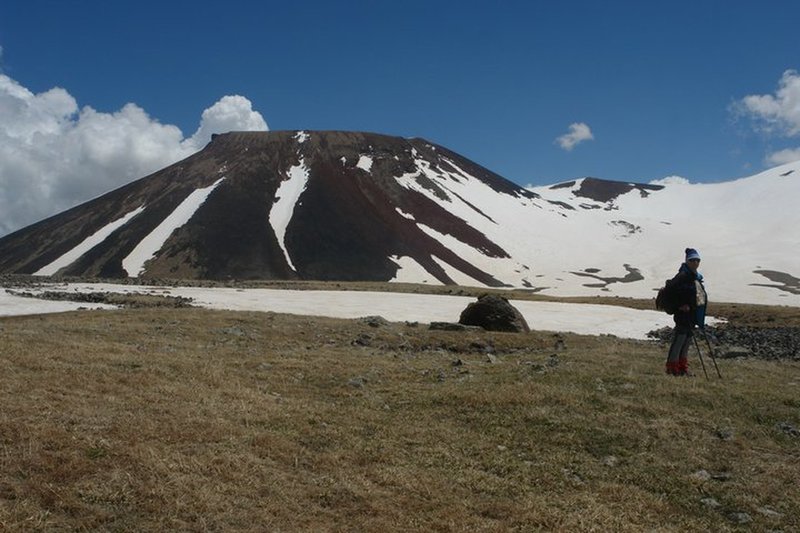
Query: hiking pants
point(679, 349)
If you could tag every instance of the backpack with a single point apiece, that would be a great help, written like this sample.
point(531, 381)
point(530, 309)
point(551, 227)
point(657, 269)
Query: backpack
point(667, 298)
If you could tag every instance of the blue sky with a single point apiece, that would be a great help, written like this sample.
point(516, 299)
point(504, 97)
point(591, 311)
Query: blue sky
point(656, 83)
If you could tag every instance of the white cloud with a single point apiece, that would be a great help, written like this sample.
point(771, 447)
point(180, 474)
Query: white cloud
point(671, 180)
point(782, 157)
point(228, 114)
point(54, 155)
point(778, 113)
point(578, 132)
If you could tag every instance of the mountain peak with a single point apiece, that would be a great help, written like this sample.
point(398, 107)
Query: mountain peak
point(358, 206)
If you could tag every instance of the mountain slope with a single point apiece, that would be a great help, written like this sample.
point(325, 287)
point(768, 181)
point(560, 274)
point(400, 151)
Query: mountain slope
point(360, 206)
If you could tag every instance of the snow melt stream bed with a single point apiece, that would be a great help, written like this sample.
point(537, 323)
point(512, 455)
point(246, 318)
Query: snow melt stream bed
point(588, 319)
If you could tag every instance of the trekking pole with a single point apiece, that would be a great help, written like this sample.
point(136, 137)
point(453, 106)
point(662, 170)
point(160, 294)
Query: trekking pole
point(700, 354)
point(711, 351)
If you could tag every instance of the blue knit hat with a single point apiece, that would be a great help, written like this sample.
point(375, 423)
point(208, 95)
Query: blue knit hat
point(691, 253)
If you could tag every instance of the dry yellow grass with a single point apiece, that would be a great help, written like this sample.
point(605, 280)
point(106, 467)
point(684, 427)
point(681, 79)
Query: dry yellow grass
point(188, 419)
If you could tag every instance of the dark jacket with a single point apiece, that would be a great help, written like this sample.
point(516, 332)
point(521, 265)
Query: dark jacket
point(685, 286)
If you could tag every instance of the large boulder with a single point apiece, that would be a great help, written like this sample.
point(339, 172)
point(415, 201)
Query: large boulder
point(493, 313)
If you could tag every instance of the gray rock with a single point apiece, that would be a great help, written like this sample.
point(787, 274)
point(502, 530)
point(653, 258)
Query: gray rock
point(788, 429)
point(722, 476)
point(710, 502)
point(610, 461)
point(725, 433)
point(494, 313)
point(452, 326)
point(374, 321)
point(769, 512)
point(233, 330)
point(362, 340)
point(732, 352)
point(740, 518)
point(559, 344)
point(357, 382)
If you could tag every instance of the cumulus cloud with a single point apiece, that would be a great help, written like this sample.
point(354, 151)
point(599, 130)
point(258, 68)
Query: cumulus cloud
point(782, 157)
point(228, 114)
point(779, 112)
point(54, 155)
point(671, 180)
point(776, 114)
point(578, 133)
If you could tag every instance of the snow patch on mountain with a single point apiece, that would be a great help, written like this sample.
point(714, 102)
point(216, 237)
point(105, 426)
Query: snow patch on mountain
point(147, 249)
point(86, 245)
point(410, 271)
point(456, 275)
point(286, 197)
point(365, 163)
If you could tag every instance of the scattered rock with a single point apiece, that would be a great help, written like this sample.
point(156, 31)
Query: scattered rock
point(452, 326)
point(362, 340)
point(553, 361)
point(701, 475)
point(357, 382)
point(490, 358)
point(769, 512)
point(740, 518)
point(744, 341)
point(788, 429)
point(721, 476)
point(710, 502)
point(484, 347)
point(573, 476)
point(610, 461)
point(732, 352)
point(458, 362)
point(725, 433)
point(559, 344)
point(494, 313)
point(374, 321)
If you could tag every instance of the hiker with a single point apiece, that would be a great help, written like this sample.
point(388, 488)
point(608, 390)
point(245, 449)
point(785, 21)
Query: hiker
point(691, 298)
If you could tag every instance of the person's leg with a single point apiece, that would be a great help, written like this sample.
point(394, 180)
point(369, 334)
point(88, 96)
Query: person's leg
point(683, 359)
point(680, 343)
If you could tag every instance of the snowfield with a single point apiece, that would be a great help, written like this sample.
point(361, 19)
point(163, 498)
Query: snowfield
point(588, 319)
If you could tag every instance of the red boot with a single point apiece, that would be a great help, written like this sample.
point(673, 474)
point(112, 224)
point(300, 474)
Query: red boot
point(682, 367)
point(672, 368)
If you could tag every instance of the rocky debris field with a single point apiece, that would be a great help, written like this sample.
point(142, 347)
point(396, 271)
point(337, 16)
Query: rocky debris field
point(746, 341)
point(132, 300)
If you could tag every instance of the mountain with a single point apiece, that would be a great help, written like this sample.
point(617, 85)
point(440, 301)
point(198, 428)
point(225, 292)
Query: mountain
point(362, 206)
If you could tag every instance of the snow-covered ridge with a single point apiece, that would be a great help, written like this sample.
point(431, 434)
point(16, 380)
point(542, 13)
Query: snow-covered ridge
point(570, 245)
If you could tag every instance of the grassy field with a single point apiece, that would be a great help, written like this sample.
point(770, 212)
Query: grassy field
point(189, 419)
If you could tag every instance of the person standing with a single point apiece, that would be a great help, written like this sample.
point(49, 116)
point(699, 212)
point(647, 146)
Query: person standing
point(690, 295)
